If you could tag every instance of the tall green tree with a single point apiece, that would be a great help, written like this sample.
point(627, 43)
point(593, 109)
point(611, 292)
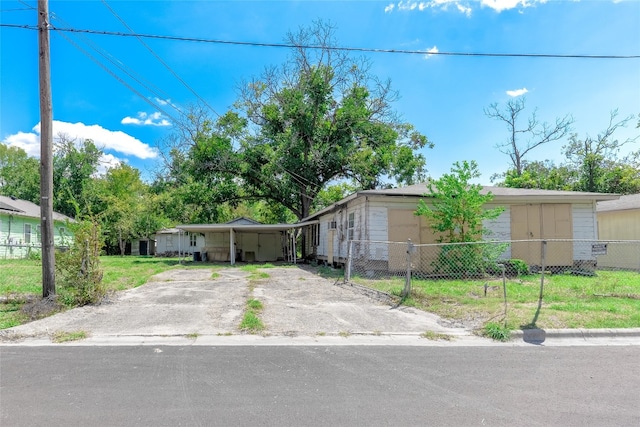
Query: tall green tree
point(321, 117)
point(545, 175)
point(597, 159)
point(19, 174)
point(122, 194)
point(74, 166)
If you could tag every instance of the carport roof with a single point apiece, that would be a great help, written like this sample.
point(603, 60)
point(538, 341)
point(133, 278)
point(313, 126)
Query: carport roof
point(203, 228)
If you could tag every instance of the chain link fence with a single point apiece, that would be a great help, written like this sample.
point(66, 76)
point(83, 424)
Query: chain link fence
point(389, 266)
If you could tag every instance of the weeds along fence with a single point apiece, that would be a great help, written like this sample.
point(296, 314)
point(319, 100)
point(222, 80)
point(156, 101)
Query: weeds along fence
point(388, 266)
point(32, 251)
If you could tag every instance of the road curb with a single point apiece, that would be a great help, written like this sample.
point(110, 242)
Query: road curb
point(541, 334)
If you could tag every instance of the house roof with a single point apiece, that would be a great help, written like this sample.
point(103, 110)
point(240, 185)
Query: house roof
point(501, 195)
point(631, 201)
point(24, 208)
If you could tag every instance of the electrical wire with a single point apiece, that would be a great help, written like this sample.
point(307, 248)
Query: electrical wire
point(160, 59)
point(336, 48)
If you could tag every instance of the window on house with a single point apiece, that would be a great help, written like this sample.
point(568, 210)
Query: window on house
point(193, 240)
point(39, 233)
point(27, 233)
point(350, 225)
point(169, 241)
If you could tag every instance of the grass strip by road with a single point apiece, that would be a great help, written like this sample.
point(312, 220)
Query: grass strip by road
point(251, 321)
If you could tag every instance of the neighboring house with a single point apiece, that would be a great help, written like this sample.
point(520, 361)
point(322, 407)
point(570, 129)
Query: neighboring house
point(388, 215)
point(174, 242)
point(620, 220)
point(245, 240)
point(143, 246)
point(20, 231)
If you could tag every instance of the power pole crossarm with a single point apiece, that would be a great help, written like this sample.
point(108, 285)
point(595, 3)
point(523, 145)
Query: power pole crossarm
point(46, 152)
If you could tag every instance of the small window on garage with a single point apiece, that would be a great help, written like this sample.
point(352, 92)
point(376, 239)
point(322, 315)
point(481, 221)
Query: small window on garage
point(351, 225)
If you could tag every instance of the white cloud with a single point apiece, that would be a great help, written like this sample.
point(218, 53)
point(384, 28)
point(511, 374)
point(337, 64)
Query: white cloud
point(144, 119)
point(517, 92)
point(431, 51)
point(464, 9)
point(29, 142)
point(500, 5)
point(103, 138)
point(462, 6)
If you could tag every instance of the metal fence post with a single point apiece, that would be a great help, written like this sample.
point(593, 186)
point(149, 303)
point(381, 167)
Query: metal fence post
point(347, 270)
point(407, 284)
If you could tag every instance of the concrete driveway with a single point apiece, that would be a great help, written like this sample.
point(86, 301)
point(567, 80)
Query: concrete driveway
point(193, 303)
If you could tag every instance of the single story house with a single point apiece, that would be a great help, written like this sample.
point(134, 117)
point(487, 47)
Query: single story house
point(20, 232)
point(143, 246)
point(388, 215)
point(173, 242)
point(245, 240)
point(620, 220)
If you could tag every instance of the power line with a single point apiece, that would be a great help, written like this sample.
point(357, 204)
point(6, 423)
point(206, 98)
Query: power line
point(118, 64)
point(160, 59)
point(337, 48)
point(115, 76)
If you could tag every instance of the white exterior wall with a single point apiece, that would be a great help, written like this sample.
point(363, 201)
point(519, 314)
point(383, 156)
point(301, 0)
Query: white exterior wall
point(500, 228)
point(175, 242)
point(585, 227)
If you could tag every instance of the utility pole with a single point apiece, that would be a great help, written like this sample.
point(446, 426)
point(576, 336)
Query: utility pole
point(46, 152)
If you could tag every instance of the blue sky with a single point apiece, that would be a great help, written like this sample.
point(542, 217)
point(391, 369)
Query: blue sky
point(443, 96)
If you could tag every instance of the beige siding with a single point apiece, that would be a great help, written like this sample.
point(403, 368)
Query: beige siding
point(619, 225)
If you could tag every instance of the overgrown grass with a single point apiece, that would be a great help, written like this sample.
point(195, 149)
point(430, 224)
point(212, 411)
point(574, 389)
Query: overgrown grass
point(610, 299)
point(251, 322)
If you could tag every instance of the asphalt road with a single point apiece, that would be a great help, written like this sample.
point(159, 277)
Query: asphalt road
point(319, 386)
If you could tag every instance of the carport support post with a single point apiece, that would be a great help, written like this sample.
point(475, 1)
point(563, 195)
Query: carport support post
point(232, 249)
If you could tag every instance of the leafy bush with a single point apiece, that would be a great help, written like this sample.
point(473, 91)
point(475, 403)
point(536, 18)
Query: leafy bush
point(516, 267)
point(469, 260)
point(78, 269)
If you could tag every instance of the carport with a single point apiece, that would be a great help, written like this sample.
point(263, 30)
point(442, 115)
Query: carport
point(247, 241)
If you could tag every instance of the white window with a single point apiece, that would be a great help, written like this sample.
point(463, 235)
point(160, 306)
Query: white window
point(169, 241)
point(39, 233)
point(193, 240)
point(27, 233)
point(350, 225)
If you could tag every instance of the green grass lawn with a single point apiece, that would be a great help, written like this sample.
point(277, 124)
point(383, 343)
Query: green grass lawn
point(610, 299)
point(21, 280)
